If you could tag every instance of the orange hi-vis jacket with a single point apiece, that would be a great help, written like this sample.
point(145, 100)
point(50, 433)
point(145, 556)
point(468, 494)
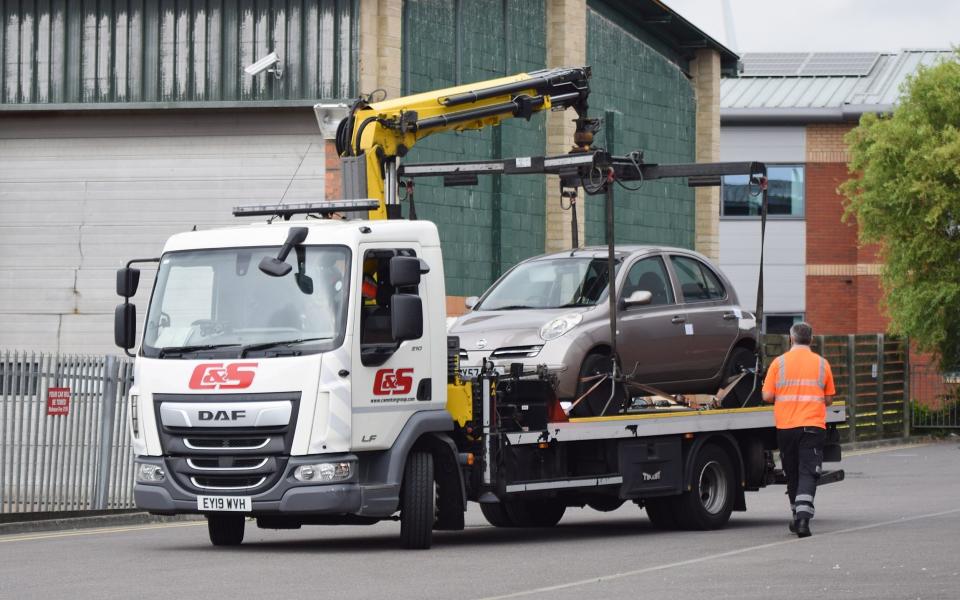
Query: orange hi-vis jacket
point(799, 380)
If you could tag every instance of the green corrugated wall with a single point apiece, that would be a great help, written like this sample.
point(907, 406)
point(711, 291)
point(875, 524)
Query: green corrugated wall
point(648, 103)
point(487, 228)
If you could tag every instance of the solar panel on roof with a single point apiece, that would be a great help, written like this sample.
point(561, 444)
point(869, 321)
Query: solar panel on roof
point(855, 64)
point(808, 64)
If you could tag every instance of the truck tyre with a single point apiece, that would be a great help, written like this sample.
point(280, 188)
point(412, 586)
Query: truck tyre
point(605, 503)
point(596, 363)
point(417, 514)
point(545, 512)
point(496, 514)
point(712, 488)
point(226, 529)
point(742, 394)
point(661, 512)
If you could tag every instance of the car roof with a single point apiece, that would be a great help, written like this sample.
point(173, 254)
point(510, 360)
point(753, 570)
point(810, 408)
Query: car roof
point(620, 249)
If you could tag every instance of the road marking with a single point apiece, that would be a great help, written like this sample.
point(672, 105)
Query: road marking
point(884, 449)
point(94, 531)
point(693, 561)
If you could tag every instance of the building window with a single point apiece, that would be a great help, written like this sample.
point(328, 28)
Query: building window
point(784, 194)
point(780, 324)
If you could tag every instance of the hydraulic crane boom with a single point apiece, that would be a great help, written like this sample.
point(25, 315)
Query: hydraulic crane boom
point(375, 135)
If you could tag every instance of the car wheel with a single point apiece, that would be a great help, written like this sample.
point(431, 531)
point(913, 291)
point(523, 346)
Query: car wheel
point(747, 391)
point(592, 405)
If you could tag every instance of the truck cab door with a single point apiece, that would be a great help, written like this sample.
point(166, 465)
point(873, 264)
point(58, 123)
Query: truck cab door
point(391, 379)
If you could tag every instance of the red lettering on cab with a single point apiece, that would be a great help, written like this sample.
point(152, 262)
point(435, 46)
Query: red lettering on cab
point(217, 376)
point(393, 381)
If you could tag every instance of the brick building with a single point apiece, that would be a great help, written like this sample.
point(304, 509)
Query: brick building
point(123, 122)
point(792, 111)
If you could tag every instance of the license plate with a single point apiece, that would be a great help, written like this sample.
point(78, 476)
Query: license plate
point(471, 372)
point(224, 503)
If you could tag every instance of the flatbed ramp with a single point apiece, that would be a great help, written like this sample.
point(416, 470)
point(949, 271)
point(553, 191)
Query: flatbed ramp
point(669, 422)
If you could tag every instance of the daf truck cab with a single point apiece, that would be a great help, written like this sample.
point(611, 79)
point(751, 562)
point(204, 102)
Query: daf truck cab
point(290, 386)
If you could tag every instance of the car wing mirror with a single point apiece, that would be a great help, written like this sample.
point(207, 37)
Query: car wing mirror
point(471, 301)
point(638, 298)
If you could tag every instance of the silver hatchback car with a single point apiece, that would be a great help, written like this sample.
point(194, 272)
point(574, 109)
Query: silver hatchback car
point(681, 328)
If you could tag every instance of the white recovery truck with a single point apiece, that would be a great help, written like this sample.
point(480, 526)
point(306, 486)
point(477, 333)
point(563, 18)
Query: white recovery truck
point(298, 372)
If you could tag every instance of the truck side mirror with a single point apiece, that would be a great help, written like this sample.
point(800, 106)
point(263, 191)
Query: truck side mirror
point(125, 325)
point(128, 279)
point(405, 271)
point(406, 317)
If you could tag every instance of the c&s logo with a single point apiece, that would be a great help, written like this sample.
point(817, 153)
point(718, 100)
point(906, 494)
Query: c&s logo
point(393, 381)
point(217, 376)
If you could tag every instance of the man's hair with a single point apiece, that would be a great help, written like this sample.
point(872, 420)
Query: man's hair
point(802, 333)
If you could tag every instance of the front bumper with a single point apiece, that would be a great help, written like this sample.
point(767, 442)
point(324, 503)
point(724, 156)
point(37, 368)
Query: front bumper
point(561, 359)
point(287, 496)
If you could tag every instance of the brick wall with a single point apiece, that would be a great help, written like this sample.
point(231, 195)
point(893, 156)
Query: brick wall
point(843, 288)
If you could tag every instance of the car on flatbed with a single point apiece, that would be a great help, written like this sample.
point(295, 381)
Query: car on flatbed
point(681, 327)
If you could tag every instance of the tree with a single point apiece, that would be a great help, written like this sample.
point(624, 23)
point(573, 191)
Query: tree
point(904, 192)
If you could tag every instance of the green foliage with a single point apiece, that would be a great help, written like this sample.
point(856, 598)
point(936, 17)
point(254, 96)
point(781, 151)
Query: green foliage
point(904, 193)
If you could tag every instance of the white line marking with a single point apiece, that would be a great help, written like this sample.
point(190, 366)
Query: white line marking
point(93, 531)
point(693, 561)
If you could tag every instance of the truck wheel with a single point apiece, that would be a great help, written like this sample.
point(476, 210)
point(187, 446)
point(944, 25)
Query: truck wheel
point(226, 530)
point(535, 513)
point(661, 512)
point(496, 514)
point(710, 500)
point(591, 406)
point(605, 503)
point(743, 393)
point(417, 513)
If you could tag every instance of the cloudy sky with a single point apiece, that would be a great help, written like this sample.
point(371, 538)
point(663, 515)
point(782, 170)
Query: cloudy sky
point(828, 25)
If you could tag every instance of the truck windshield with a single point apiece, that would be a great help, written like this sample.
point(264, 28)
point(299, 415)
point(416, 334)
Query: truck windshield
point(550, 283)
point(218, 301)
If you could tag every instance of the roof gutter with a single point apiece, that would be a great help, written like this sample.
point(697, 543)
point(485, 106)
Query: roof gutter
point(796, 116)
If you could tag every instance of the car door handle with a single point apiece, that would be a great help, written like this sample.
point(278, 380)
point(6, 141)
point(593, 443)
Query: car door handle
point(678, 319)
point(729, 316)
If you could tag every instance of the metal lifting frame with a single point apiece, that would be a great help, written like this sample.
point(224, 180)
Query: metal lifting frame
point(596, 171)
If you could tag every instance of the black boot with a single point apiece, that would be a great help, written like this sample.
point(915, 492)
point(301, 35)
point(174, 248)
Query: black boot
point(793, 525)
point(803, 527)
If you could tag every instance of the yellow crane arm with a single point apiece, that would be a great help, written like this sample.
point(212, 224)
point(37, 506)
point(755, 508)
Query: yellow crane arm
point(376, 134)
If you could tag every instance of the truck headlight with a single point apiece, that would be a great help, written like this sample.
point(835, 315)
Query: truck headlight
point(560, 326)
point(328, 471)
point(150, 473)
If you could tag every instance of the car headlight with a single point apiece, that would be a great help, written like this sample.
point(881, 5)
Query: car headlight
point(560, 326)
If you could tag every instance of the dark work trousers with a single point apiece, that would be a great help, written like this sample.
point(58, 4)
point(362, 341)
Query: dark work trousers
point(801, 452)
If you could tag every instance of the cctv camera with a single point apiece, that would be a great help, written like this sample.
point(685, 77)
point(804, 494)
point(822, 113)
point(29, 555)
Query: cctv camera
point(263, 64)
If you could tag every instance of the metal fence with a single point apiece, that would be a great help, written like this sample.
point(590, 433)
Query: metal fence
point(64, 442)
point(935, 398)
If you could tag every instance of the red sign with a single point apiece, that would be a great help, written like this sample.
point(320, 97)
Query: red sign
point(390, 381)
point(58, 401)
point(217, 376)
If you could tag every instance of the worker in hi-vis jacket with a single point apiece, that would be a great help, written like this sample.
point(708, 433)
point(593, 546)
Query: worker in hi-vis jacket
point(800, 384)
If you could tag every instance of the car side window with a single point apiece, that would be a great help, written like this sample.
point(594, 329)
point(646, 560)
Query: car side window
point(649, 274)
point(698, 283)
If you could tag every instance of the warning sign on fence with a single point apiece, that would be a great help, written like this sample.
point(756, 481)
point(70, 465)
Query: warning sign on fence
point(58, 401)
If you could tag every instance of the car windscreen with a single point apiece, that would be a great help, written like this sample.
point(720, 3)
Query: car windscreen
point(549, 283)
point(220, 300)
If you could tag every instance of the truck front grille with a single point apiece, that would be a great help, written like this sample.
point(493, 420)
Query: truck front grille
point(225, 460)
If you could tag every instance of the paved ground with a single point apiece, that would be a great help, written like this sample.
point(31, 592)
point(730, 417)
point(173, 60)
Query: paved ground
point(891, 530)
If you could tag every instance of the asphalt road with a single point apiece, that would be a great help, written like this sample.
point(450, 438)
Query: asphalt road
point(891, 530)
